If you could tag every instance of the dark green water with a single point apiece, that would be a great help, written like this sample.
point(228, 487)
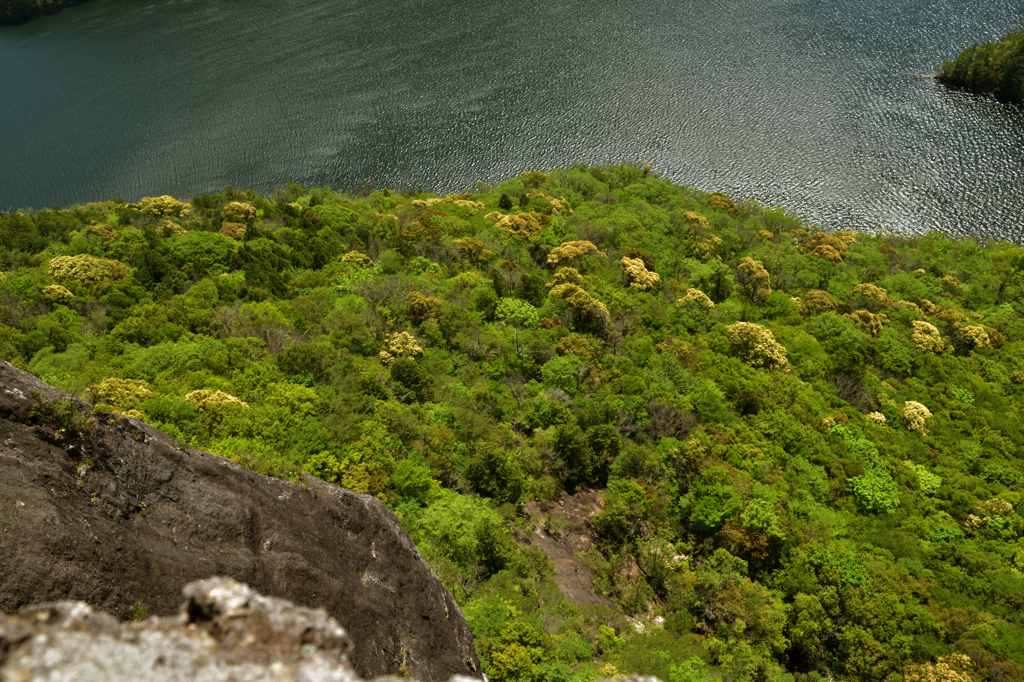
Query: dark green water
point(823, 107)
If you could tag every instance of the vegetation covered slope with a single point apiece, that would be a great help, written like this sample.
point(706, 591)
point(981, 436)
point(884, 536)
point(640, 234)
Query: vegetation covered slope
point(17, 11)
point(808, 445)
point(995, 69)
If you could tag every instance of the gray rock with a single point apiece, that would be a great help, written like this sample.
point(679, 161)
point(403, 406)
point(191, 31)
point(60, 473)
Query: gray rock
point(225, 631)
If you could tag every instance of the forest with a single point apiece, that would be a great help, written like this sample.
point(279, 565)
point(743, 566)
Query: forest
point(995, 69)
point(18, 11)
point(805, 446)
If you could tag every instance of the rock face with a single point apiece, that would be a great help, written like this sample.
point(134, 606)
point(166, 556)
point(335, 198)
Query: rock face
point(108, 510)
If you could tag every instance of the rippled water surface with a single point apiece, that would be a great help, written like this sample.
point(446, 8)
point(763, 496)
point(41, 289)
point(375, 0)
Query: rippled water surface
point(824, 107)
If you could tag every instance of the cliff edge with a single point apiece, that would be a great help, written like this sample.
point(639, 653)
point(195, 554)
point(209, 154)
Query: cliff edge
point(110, 511)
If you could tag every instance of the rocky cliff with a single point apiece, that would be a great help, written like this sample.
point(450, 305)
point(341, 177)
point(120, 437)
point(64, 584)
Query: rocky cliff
point(112, 512)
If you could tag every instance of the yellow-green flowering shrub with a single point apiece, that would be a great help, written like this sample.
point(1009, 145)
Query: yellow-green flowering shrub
point(357, 258)
point(754, 279)
point(697, 297)
point(170, 229)
point(205, 400)
point(705, 248)
point(577, 345)
point(558, 206)
point(103, 232)
point(954, 667)
point(233, 230)
point(975, 336)
point(723, 202)
point(915, 416)
point(817, 301)
point(400, 345)
point(473, 249)
point(86, 269)
point(421, 307)
point(581, 301)
point(926, 338)
point(693, 219)
point(567, 276)
point(524, 224)
point(756, 346)
point(570, 252)
point(872, 291)
point(165, 205)
point(868, 322)
point(638, 275)
point(120, 392)
point(876, 418)
point(55, 293)
point(821, 244)
point(238, 211)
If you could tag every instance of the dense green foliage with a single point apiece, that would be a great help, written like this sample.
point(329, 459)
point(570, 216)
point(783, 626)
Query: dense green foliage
point(995, 69)
point(808, 446)
point(15, 11)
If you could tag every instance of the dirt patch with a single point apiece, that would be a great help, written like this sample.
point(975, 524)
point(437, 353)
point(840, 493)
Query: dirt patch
point(562, 529)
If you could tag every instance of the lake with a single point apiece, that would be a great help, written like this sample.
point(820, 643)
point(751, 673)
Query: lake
point(823, 107)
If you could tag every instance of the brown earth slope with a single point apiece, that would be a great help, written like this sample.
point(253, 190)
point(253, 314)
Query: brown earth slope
point(123, 514)
point(562, 529)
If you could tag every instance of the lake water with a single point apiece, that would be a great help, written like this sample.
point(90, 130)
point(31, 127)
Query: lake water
point(823, 107)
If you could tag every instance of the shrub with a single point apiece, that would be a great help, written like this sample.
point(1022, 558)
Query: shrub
point(816, 301)
point(233, 230)
point(400, 345)
point(567, 276)
point(170, 229)
point(103, 232)
point(239, 211)
point(974, 337)
point(473, 250)
point(524, 224)
point(754, 280)
point(55, 293)
point(871, 291)
point(420, 307)
point(582, 302)
point(868, 322)
point(87, 270)
point(926, 338)
point(698, 298)
point(823, 245)
point(571, 252)
point(915, 416)
point(757, 346)
point(724, 203)
point(706, 248)
point(875, 491)
point(638, 275)
point(206, 400)
point(165, 205)
point(120, 393)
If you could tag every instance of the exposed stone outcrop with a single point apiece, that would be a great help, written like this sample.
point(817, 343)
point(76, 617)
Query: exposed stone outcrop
point(224, 631)
point(108, 510)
